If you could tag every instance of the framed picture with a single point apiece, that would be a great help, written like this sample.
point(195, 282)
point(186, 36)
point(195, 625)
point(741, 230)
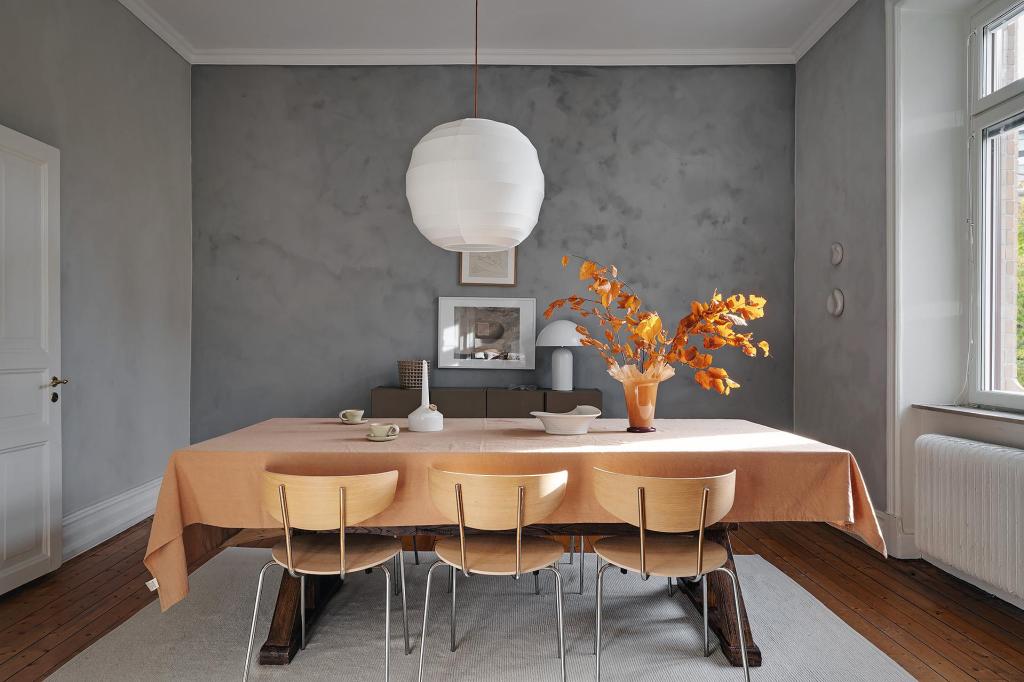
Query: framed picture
point(493, 269)
point(486, 333)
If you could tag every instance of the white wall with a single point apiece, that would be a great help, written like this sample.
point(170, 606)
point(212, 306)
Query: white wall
point(927, 101)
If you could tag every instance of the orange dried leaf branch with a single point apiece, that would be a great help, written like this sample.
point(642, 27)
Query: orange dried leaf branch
point(617, 306)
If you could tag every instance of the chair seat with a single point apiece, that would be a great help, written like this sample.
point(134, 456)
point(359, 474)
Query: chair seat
point(669, 556)
point(496, 554)
point(320, 554)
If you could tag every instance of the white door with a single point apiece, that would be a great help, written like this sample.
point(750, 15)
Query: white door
point(30, 459)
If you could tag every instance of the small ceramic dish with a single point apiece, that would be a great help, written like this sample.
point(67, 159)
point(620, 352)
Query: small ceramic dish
point(574, 423)
point(381, 439)
point(353, 423)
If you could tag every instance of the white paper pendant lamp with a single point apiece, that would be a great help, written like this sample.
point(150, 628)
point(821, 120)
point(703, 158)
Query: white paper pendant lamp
point(475, 185)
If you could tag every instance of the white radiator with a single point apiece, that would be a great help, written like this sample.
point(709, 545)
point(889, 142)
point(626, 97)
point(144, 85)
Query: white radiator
point(970, 509)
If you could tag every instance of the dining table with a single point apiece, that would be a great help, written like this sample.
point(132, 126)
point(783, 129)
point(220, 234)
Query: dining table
point(211, 492)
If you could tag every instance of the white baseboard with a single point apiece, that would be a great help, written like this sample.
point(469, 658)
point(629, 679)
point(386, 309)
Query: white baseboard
point(898, 542)
point(84, 529)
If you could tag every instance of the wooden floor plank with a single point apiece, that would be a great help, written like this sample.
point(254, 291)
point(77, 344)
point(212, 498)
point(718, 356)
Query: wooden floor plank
point(30, 629)
point(1007, 643)
point(938, 659)
point(26, 599)
point(739, 546)
point(980, 602)
point(959, 648)
point(57, 638)
point(910, 662)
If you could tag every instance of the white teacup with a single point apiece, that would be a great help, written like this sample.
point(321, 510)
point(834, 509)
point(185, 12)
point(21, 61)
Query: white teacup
point(351, 415)
point(383, 430)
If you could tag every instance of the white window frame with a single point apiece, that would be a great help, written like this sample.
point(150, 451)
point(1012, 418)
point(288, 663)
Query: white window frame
point(986, 110)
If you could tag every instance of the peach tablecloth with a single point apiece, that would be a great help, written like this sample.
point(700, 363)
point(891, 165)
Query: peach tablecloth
point(779, 476)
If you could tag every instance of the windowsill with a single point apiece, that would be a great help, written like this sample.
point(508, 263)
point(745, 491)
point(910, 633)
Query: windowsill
point(978, 412)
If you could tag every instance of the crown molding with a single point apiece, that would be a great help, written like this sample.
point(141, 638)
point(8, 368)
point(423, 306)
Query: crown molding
point(820, 27)
point(338, 57)
point(368, 57)
point(158, 25)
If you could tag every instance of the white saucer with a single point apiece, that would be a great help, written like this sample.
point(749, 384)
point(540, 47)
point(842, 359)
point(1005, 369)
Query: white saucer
point(348, 423)
point(381, 439)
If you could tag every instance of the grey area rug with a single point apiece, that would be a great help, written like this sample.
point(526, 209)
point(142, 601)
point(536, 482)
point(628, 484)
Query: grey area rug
point(505, 632)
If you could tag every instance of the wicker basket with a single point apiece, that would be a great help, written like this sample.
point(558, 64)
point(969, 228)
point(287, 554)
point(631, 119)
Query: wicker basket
point(410, 373)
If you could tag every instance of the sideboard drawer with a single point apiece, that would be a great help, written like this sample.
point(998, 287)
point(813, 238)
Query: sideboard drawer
point(459, 403)
point(392, 403)
point(505, 403)
point(387, 402)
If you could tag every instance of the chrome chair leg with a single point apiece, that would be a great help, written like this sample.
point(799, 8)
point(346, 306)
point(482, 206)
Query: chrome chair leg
point(561, 619)
point(560, 634)
point(572, 552)
point(451, 578)
point(704, 603)
point(302, 610)
point(255, 612)
point(739, 619)
point(453, 608)
point(597, 621)
point(426, 611)
point(405, 611)
point(582, 563)
point(395, 569)
point(387, 622)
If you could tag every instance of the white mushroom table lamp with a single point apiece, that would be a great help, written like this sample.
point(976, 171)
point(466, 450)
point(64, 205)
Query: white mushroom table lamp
point(561, 335)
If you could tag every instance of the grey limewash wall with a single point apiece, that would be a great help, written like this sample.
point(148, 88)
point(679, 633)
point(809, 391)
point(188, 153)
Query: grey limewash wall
point(88, 78)
point(310, 279)
point(840, 364)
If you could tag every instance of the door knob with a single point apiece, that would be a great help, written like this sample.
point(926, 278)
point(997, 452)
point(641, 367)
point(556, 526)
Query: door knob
point(55, 382)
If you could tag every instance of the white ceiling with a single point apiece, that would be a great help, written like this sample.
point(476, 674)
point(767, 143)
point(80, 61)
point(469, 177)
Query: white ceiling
point(511, 31)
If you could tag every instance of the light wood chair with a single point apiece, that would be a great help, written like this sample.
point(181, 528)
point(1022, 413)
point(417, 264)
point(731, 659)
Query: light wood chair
point(331, 503)
point(496, 503)
point(665, 505)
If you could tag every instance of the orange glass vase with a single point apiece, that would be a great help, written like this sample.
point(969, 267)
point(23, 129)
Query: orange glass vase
point(641, 392)
point(641, 398)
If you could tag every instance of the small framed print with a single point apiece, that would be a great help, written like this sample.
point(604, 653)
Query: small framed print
point(486, 333)
point(496, 268)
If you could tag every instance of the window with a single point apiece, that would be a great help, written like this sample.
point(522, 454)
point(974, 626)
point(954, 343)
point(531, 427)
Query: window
point(1003, 40)
point(1004, 219)
point(997, 160)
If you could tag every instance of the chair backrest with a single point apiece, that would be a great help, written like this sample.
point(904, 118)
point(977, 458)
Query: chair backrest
point(491, 501)
point(314, 502)
point(672, 505)
point(325, 503)
point(496, 501)
point(668, 505)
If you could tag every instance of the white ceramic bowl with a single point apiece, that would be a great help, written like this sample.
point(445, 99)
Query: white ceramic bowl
point(574, 423)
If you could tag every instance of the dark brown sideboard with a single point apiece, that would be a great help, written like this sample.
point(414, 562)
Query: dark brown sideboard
point(388, 402)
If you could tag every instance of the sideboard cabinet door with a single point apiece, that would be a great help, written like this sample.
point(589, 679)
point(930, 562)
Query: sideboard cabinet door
point(460, 403)
point(513, 404)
